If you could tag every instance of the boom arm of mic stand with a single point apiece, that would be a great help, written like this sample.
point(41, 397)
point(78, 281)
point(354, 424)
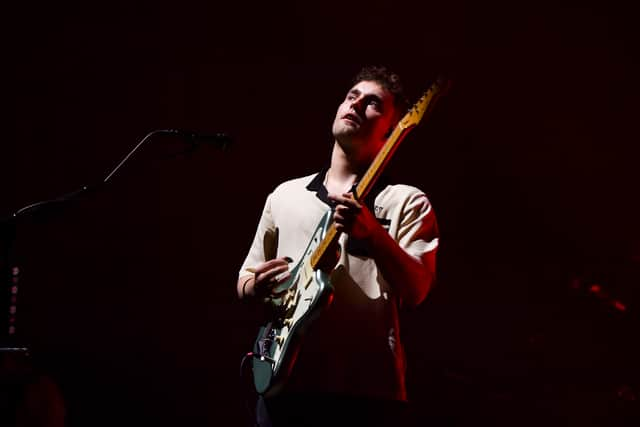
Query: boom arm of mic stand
point(33, 207)
point(142, 141)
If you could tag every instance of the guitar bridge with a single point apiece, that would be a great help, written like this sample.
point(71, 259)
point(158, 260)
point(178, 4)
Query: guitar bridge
point(265, 343)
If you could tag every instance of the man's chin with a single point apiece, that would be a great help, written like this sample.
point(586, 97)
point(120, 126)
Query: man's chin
point(344, 138)
point(346, 132)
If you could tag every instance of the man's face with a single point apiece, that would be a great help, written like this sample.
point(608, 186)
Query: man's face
point(364, 117)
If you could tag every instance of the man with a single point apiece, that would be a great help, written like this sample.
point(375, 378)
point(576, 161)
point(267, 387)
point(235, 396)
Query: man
point(351, 365)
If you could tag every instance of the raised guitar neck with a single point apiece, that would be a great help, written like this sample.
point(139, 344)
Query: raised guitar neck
point(408, 122)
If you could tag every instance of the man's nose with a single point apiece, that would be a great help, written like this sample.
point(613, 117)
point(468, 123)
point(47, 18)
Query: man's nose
point(357, 105)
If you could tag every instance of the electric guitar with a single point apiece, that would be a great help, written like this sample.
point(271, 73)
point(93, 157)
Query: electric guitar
point(301, 298)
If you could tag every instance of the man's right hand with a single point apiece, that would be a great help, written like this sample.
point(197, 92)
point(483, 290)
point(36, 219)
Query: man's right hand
point(266, 276)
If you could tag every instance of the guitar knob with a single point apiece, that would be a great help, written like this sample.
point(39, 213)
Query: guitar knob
point(287, 322)
point(279, 339)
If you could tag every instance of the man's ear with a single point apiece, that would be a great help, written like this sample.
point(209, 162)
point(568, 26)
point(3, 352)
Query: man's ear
point(393, 126)
point(397, 116)
point(387, 134)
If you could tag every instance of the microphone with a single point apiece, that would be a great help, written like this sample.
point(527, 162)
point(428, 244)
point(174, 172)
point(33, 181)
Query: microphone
point(218, 139)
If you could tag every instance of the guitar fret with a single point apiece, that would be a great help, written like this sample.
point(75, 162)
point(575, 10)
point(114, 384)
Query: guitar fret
point(319, 252)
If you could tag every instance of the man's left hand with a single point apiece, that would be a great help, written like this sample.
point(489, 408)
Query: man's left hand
point(352, 217)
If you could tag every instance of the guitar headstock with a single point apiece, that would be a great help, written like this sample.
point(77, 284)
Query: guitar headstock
point(415, 113)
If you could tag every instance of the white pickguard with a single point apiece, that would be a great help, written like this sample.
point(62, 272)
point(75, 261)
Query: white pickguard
point(299, 300)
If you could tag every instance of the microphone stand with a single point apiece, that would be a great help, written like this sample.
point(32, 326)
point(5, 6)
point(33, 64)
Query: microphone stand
point(10, 273)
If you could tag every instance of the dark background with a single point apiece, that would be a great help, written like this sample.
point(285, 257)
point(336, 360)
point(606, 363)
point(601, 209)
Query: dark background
point(127, 294)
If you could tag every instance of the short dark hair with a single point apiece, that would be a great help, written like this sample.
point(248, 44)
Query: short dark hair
point(388, 80)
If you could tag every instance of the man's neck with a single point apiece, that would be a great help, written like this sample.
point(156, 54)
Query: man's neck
point(344, 170)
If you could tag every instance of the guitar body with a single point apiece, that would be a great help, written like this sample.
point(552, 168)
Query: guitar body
point(304, 295)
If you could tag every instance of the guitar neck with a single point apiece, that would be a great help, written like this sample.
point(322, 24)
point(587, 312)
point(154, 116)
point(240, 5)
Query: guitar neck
point(319, 253)
point(362, 189)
